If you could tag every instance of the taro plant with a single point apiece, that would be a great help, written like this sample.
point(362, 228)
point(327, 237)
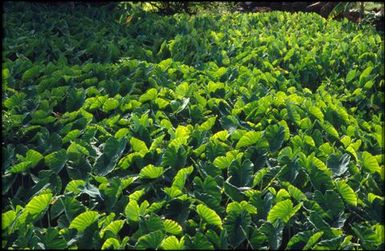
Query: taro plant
point(233, 131)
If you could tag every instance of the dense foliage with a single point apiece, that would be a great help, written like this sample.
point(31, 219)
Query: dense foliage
point(131, 130)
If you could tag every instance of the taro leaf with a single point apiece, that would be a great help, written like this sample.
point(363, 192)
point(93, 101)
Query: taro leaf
point(36, 206)
point(20, 167)
point(273, 233)
point(351, 75)
point(346, 192)
point(223, 162)
point(275, 135)
point(316, 112)
point(172, 227)
point(181, 176)
point(70, 205)
point(132, 211)
point(329, 128)
point(364, 75)
point(71, 135)
point(172, 243)
point(198, 242)
point(78, 169)
point(208, 191)
point(208, 124)
point(331, 202)
point(283, 210)
point(313, 240)
point(7, 219)
point(114, 228)
point(241, 174)
point(56, 160)
point(151, 172)
point(52, 239)
point(150, 95)
point(292, 111)
point(112, 151)
point(220, 242)
point(258, 176)
point(320, 179)
point(209, 215)
point(180, 107)
point(148, 224)
point(91, 191)
point(318, 222)
point(75, 99)
point(249, 138)
point(294, 192)
point(32, 158)
point(138, 145)
point(233, 192)
point(299, 240)
point(31, 72)
point(8, 154)
point(110, 104)
point(174, 156)
point(330, 244)
point(237, 224)
point(370, 237)
point(111, 243)
point(244, 205)
point(75, 150)
point(84, 220)
point(338, 165)
point(230, 123)
point(150, 241)
point(370, 163)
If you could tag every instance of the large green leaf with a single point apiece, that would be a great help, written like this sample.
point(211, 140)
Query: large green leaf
point(338, 165)
point(151, 94)
point(150, 241)
point(274, 233)
point(151, 172)
point(132, 210)
point(172, 227)
point(209, 215)
point(112, 151)
point(249, 138)
point(330, 129)
point(52, 239)
point(84, 220)
point(370, 163)
point(331, 202)
point(174, 156)
point(56, 160)
point(233, 192)
point(38, 204)
point(346, 192)
point(114, 228)
point(283, 210)
point(316, 112)
point(351, 75)
point(313, 240)
point(138, 145)
point(20, 167)
point(31, 159)
point(275, 135)
point(241, 173)
point(7, 219)
point(110, 104)
point(172, 243)
point(111, 242)
point(181, 176)
point(237, 224)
